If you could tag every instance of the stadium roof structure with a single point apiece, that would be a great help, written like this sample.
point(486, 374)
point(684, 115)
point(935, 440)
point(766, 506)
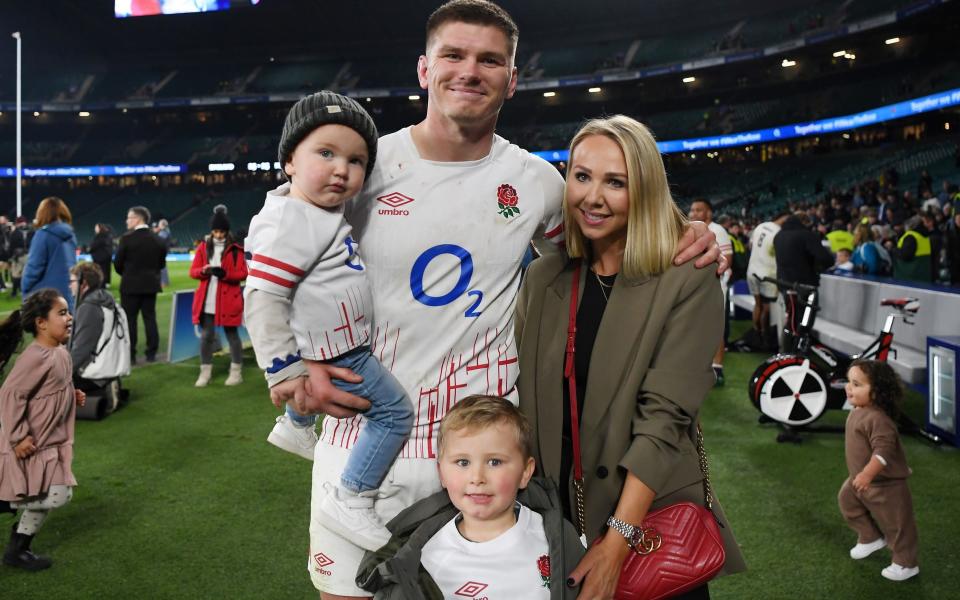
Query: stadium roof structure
point(56, 27)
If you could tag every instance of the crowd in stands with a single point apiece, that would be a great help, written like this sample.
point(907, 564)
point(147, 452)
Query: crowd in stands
point(881, 227)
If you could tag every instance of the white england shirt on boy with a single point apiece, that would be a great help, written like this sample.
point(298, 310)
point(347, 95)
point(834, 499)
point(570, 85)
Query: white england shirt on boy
point(513, 565)
point(443, 244)
point(306, 253)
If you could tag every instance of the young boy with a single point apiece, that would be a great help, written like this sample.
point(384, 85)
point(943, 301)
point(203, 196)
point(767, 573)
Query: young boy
point(475, 538)
point(307, 302)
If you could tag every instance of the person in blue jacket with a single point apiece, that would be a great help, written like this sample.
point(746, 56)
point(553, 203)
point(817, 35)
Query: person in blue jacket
point(53, 250)
point(868, 256)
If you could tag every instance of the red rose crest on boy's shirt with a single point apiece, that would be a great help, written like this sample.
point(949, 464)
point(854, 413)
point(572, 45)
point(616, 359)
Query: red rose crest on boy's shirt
point(543, 565)
point(507, 200)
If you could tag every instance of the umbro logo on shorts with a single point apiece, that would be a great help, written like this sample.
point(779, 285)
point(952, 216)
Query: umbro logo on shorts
point(394, 200)
point(322, 561)
point(470, 589)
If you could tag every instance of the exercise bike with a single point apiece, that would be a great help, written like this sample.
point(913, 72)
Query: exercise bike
point(794, 388)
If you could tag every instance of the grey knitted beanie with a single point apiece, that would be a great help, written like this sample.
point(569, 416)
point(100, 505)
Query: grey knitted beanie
point(323, 108)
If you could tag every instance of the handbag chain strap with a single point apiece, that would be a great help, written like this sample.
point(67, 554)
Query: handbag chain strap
point(705, 470)
point(569, 371)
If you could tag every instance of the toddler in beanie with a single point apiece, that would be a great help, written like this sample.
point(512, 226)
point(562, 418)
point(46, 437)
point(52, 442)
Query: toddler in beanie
point(307, 304)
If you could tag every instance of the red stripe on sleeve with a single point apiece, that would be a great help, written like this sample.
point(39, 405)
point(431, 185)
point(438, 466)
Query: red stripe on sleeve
point(554, 232)
point(272, 262)
point(271, 278)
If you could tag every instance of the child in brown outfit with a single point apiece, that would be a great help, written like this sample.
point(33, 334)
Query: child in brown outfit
point(37, 413)
point(875, 500)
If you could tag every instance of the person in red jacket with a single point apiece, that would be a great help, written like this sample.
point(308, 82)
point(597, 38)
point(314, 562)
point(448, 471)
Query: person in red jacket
point(220, 266)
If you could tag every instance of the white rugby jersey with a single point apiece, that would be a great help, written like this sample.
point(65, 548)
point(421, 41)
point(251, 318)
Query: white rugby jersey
point(763, 260)
point(306, 253)
point(726, 248)
point(443, 244)
point(513, 565)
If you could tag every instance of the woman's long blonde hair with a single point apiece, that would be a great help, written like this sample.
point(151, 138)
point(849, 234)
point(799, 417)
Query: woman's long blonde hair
point(862, 234)
point(654, 222)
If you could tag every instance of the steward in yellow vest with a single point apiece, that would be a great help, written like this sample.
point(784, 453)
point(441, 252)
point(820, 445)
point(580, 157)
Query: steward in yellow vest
point(914, 262)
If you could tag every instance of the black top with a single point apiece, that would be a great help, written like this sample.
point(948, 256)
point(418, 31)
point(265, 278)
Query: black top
point(101, 248)
point(800, 255)
point(140, 257)
point(589, 315)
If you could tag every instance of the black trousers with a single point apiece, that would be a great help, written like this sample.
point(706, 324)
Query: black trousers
point(145, 304)
point(107, 268)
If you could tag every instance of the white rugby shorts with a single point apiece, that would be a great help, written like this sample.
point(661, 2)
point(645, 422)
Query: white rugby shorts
point(333, 560)
point(766, 290)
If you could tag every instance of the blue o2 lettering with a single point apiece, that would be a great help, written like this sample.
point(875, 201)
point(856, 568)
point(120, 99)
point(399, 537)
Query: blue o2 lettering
point(472, 311)
point(353, 255)
point(463, 282)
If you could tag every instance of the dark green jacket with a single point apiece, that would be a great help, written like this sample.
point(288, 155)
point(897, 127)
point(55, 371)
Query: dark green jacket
point(394, 572)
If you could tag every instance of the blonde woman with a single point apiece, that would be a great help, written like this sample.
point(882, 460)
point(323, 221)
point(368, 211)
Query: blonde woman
point(645, 336)
point(53, 250)
point(868, 256)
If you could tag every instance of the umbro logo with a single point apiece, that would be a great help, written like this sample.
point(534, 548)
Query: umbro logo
point(470, 589)
point(394, 200)
point(322, 561)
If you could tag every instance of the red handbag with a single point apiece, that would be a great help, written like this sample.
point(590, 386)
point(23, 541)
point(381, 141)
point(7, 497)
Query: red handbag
point(679, 547)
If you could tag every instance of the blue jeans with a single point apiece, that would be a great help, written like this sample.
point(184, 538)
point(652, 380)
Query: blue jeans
point(388, 420)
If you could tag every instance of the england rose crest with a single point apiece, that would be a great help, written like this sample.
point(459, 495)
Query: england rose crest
point(507, 200)
point(543, 565)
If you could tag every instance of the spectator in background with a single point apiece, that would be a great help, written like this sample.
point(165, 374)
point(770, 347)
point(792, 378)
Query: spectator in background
point(763, 263)
point(101, 251)
point(53, 250)
point(166, 236)
point(19, 243)
point(839, 237)
point(885, 210)
point(917, 251)
point(951, 240)
point(946, 193)
point(220, 266)
point(869, 256)
point(843, 262)
point(930, 203)
point(140, 257)
point(800, 255)
point(902, 211)
point(738, 243)
point(86, 281)
point(702, 210)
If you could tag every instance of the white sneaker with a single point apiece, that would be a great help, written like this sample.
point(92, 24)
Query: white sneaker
point(352, 517)
point(864, 550)
point(298, 440)
point(897, 573)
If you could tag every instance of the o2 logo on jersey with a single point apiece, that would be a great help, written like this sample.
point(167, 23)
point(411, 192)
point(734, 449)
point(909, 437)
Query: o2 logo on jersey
point(463, 282)
point(356, 266)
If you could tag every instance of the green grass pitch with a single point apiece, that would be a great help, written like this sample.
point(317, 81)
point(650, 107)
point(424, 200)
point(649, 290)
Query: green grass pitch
point(180, 496)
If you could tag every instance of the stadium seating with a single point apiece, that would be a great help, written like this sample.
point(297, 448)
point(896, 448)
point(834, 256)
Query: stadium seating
point(294, 77)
